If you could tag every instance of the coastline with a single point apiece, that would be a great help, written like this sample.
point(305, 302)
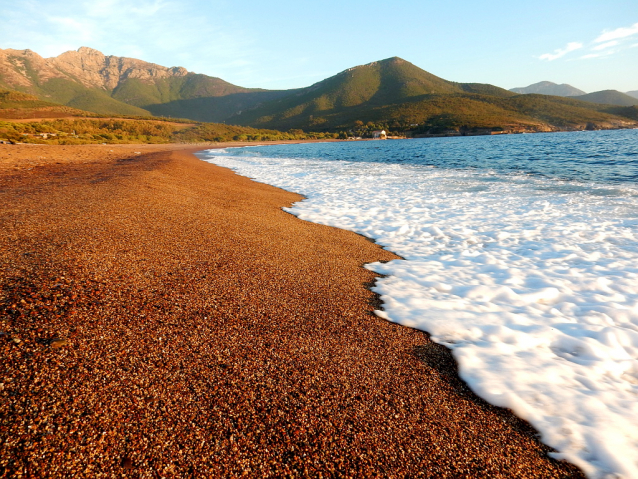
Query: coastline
point(163, 315)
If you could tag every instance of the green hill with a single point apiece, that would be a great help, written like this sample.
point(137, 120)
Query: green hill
point(17, 105)
point(16, 99)
point(624, 111)
point(549, 88)
point(194, 96)
point(214, 109)
point(485, 89)
point(397, 95)
point(140, 93)
point(76, 95)
point(440, 112)
point(361, 91)
point(609, 97)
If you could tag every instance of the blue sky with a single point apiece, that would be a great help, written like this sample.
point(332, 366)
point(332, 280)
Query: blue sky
point(592, 45)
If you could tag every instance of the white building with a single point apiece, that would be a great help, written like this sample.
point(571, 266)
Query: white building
point(379, 135)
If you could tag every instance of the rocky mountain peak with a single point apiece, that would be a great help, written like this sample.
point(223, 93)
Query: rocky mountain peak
point(89, 51)
point(88, 66)
point(178, 71)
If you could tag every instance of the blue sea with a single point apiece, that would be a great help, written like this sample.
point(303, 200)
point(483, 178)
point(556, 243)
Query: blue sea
point(520, 254)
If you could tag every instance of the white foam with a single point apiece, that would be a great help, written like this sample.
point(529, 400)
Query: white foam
point(534, 286)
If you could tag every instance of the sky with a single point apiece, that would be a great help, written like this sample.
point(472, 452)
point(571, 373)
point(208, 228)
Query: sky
point(281, 44)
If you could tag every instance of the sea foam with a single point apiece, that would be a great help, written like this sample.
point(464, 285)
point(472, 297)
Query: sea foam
point(531, 281)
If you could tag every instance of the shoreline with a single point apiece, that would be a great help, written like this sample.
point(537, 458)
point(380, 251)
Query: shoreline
point(163, 315)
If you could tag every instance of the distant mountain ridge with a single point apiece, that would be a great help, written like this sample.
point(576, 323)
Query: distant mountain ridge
point(609, 97)
point(386, 94)
point(549, 88)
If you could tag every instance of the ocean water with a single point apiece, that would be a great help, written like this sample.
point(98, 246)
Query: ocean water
point(521, 255)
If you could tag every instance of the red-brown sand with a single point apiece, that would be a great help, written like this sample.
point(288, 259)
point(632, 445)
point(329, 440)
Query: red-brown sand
point(163, 317)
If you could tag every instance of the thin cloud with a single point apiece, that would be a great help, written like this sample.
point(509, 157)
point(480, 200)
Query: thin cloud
point(598, 55)
point(607, 43)
point(603, 46)
point(612, 41)
point(561, 52)
point(618, 33)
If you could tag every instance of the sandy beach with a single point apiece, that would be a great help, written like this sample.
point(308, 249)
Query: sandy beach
point(163, 317)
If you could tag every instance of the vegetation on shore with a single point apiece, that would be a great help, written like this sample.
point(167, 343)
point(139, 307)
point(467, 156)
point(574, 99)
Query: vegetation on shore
point(59, 124)
point(123, 130)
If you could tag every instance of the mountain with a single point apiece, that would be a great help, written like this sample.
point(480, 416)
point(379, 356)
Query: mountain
point(390, 94)
point(609, 97)
point(60, 80)
point(89, 80)
point(356, 93)
point(395, 94)
point(549, 88)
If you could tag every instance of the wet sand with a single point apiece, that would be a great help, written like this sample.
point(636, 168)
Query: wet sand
point(162, 317)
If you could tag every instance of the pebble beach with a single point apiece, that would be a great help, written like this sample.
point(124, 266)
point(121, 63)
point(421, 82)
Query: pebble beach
point(163, 317)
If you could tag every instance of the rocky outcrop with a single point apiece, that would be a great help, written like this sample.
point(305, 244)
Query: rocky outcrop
point(19, 68)
point(91, 68)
